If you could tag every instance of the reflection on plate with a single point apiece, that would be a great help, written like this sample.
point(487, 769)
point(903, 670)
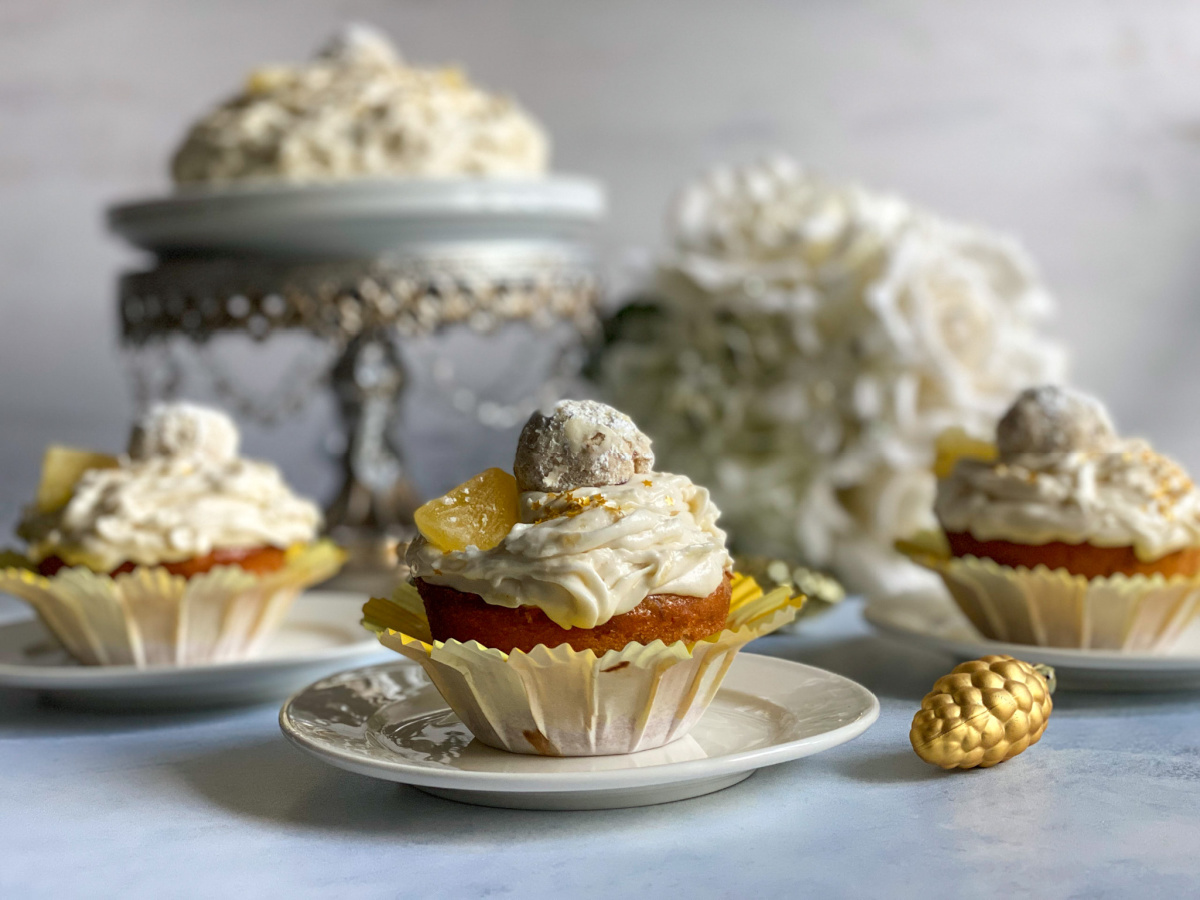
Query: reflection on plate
point(389, 722)
point(320, 635)
point(932, 621)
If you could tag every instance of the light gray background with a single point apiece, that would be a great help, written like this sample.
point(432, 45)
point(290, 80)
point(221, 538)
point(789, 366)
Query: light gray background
point(1074, 125)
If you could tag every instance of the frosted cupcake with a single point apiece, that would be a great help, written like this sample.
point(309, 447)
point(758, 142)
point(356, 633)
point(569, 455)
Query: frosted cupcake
point(1070, 535)
point(585, 604)
point(178, 552)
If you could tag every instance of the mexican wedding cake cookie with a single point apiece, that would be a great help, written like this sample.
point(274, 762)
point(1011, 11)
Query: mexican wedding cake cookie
point(1063, 533)
point(584, 604)
point(178, 552)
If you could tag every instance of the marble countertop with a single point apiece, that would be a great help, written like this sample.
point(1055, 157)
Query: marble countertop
point(217, 803)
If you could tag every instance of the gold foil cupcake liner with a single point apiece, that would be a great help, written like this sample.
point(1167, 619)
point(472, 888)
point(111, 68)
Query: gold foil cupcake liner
point(149, 617)
point(1053, 608)
point(563, 702)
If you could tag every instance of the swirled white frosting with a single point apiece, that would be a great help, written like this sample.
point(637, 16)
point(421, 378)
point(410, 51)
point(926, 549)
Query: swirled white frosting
point(1127, 497)
point(586, 555)
point(181, 493)
point(358, 110)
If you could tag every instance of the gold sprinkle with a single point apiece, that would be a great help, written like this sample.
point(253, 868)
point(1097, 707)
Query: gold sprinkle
point(570, 507)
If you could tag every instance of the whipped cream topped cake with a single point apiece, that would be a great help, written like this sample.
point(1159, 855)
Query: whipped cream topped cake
point(181, 496)
point(1067, 491)
point(1063, 533)
point(583, 604)
point(358, 110)
point(178, 552)
point(587, 544)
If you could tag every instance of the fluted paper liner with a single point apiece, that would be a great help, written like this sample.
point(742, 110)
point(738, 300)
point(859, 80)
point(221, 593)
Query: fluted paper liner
point(563, 702)
point(149, 617)
point(1053, 608)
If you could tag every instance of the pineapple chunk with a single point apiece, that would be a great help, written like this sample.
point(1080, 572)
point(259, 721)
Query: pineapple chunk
point(478, 513)
point(267, 79)
point(62, 468)
point(954, 444)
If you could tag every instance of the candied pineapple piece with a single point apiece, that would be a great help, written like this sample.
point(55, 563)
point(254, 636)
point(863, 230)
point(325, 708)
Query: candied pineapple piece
point(954, 444)
point(62, 468)
point(478, 513)
point(267, 79)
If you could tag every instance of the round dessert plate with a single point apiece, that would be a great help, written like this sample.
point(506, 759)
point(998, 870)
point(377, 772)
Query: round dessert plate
point(935, 623)
point(321, 634)
point(389, 722)
point(362, 217)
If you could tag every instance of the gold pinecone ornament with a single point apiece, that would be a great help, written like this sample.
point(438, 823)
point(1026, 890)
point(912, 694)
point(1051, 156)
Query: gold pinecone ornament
point(984, 712)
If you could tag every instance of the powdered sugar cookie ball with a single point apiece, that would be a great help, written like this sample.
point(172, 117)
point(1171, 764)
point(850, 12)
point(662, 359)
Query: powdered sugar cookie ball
point(581, 443)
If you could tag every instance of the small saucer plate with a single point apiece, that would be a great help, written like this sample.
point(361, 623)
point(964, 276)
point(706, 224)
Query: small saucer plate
point(389, 722)
point(933, 622)
point(321, 634)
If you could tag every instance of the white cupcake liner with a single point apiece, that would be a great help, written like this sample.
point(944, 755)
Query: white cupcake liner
point(1053, 608)
point(149, 617)
point(563, 702)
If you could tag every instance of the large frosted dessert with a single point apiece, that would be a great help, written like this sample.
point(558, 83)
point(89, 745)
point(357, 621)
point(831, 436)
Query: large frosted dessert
point(584, 604)
point(177, 552)
point(358, 110)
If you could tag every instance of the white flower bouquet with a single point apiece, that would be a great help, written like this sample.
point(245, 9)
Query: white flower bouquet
point(804, 345)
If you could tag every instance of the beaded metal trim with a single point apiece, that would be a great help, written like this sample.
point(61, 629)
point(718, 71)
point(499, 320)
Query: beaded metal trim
point(339, 300)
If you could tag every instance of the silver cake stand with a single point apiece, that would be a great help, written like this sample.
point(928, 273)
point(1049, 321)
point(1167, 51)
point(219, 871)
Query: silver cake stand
point(361, 266)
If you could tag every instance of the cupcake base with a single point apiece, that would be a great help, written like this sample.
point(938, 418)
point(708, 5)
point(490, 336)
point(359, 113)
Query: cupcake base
point(150, 617)
point(566, 702)
point(455, 615)
point(1087, 560)
point(1055, 608)
point(253, 559)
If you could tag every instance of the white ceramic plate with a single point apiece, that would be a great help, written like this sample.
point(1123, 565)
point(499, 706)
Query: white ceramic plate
point(389, 722)
point(361, 217)
point(935, 623)
point(320, 635)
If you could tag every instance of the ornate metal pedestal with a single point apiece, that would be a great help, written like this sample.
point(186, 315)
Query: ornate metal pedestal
point(361, 309)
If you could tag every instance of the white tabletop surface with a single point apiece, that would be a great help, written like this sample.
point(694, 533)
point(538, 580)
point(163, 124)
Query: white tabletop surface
point(217, 804)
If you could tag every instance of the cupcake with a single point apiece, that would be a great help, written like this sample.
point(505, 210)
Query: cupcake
point(584, 604)
point(178, 552)
point(1065, 534)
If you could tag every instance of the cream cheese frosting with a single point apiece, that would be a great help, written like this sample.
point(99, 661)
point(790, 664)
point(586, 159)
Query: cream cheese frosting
point(585, 555)
point(181, 492)
point(1064, 475)
point(358, 110)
